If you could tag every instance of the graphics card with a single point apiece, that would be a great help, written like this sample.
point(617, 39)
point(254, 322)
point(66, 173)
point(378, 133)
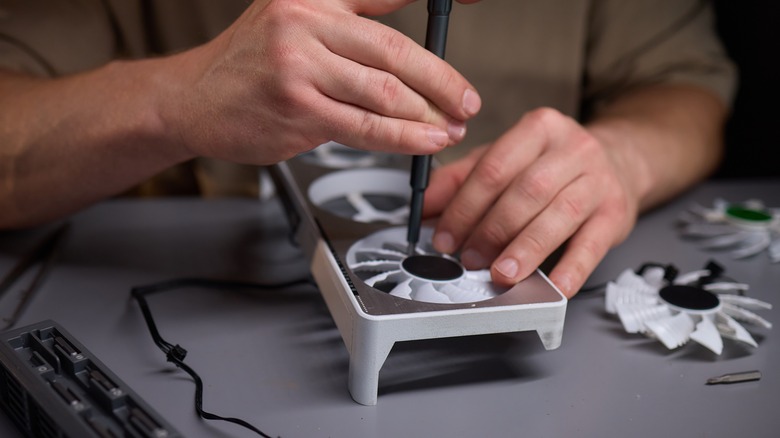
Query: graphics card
point(348, 211)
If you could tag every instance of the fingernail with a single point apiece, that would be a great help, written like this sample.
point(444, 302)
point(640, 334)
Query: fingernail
point(443, 242)
point(438, 137)
point(564, 285)
point(456, 130)
point(471, 259)
point(507, 267)
point(471, 102)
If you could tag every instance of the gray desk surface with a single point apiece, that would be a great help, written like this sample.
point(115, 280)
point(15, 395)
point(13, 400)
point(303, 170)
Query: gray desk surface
point(276, 359)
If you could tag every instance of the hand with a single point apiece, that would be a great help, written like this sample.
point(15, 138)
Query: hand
point(511, 204)
point(291, 74)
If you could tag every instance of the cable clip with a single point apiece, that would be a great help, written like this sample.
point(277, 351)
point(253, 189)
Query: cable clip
point(176, 354)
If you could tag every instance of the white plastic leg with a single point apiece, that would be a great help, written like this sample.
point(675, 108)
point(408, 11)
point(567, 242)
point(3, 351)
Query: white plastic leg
point(551, 339)
point(365, 361)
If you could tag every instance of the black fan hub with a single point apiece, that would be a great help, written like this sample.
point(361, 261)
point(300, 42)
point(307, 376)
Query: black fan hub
point(432, 267)
point(689, 297)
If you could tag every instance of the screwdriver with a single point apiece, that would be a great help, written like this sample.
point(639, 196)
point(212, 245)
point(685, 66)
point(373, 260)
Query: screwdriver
point(435, 42)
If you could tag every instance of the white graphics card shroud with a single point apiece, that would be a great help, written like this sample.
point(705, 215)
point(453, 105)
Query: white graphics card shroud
point(347, 223)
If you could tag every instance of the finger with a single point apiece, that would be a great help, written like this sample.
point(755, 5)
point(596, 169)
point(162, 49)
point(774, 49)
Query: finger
point(381, 7)
point(372, 44)
point(530, 194)
point(445, 182)
point(376, 7)
point(549, 230)
point(497, 167)
point(366, 130)
point(583, 253)
point(380, 92)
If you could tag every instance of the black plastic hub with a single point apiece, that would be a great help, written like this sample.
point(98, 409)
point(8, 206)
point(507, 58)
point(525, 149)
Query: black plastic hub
point(431, 267)
point(689, 297)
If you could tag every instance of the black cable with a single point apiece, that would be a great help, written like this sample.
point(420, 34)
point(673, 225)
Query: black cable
point(175, 353)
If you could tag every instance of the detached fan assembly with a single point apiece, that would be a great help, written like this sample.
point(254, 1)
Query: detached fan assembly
point(349, 223)
point(702, 306)
point(744, 229)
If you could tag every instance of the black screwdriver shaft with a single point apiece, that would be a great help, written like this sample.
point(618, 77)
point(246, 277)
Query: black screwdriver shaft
point(435, 42)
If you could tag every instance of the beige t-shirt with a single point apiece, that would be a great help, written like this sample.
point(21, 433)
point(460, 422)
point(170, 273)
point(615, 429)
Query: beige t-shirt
point(572, 55)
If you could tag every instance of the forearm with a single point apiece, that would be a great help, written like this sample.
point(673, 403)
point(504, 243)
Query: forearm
point(69, 142)
point(664, 137)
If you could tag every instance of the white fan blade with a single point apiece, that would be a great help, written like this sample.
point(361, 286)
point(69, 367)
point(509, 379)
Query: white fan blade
point(745, 302)
point(460, 295)
point(378, 254)
point(617, 294)
point(756, 243)
point(366, 212)
point(707, 335)
point(719, 206)
point(731, 329)
point(481, 275)
point(334, 154)
point(774, 251)
point(754, 204)
point(745, 315)
point(691, 277)
point(403, 290)
point(725, 241)
point(709, 214)
point(426, 292)
point(363, 207)
point(726, 286)
point(375, 265)
point(382, 276)
point(654, 276)
point(485, 288)
point(634, 316)
point(399, 248)
point(631, 280)
point(672, 332)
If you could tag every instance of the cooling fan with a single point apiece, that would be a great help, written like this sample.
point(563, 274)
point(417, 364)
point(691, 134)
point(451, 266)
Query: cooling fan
point(381, 261)
point(744, 229)
point(364, 195)
point(702, 306)
point(336, 155)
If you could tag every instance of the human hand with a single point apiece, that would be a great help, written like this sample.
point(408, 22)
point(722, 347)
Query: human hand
point(289, 75)
point(511, 204)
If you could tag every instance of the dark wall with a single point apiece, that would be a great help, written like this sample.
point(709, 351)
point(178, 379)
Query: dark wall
point(750, 30)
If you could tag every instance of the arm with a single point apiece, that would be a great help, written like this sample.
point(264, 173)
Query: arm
point(285, 77)
point(71, 141)
point(549, 181)
point(671, 134)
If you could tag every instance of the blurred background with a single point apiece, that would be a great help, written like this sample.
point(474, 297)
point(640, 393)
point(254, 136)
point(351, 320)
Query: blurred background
point(750, 30)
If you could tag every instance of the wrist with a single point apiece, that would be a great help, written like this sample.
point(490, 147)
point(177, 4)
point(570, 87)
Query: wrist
point(131, 111)
point(618, 140)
